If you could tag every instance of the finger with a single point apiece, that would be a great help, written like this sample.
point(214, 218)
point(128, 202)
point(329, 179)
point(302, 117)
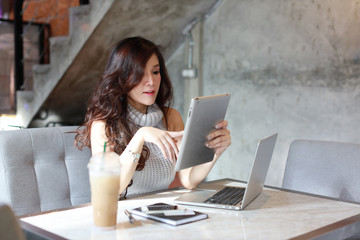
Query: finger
point(218, 133)
point(171, 139)
point(219, 142)
point(162, 146)
point(174, 148)
point(176, 134)
point(162, 149)
point(172, 142)
point(222, 124)
point(170, 148)
point(221, 147)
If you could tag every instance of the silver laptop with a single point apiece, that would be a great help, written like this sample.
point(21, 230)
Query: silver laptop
point(236, 198)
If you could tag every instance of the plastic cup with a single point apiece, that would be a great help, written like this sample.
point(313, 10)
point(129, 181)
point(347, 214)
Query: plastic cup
point(104, 173)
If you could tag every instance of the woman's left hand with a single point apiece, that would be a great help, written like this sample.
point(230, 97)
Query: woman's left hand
point(220, 139)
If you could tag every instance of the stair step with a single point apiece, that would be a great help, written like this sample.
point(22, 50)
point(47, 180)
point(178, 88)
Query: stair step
point(79, 20)
point(28, 96)
point(40, 68)
point(79, 10)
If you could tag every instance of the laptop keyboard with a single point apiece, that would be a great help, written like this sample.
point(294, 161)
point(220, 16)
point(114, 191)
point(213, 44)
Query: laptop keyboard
point(228, 196)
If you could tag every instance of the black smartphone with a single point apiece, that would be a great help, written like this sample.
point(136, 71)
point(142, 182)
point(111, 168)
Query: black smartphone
point(165, 209)
point(161, 206)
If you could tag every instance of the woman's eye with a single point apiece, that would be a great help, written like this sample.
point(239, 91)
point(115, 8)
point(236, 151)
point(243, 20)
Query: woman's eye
point(156, 72)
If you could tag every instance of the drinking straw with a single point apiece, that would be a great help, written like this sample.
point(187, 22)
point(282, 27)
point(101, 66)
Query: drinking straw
point(103, 156)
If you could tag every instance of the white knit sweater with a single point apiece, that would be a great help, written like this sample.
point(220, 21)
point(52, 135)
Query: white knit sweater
point(159, 172)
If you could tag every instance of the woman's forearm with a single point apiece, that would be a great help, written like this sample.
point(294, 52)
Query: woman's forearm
point(191, 177)
point(129, 159)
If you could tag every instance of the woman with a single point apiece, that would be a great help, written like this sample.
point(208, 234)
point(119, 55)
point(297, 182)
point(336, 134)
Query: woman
point(130, 111)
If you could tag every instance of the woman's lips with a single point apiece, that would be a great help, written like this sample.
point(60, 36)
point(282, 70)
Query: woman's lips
point(151, 92)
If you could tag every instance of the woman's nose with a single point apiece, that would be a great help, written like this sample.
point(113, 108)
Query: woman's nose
point(149, 79)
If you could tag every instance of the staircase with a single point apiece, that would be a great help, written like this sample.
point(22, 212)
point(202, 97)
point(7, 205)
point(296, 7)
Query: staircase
point(61, 88)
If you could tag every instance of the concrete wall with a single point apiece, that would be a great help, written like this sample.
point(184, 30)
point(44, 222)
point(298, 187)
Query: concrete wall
point(174, 67)
point(292, 67)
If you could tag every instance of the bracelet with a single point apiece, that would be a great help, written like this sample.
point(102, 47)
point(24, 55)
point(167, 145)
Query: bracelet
point(136, 156)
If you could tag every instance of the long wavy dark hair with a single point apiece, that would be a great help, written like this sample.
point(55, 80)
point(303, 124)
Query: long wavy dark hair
point(124, 70)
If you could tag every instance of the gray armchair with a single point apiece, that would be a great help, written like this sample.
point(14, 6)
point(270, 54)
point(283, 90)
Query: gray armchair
point(324, 168)
point(41, 170)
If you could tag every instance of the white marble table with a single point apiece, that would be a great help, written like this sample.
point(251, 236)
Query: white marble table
point(275, 214)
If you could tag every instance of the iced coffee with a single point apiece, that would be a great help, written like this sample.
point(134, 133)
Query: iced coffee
point(104, 173)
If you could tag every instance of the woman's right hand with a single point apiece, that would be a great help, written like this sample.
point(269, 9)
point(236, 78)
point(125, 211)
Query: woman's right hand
point(165, 140)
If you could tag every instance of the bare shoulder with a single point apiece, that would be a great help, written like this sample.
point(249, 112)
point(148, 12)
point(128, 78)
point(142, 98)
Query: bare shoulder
point(97, 125)
point(98, 129)
point(175, 120)
point(98, 137)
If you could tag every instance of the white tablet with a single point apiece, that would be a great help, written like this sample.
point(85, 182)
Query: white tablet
point(204, 113)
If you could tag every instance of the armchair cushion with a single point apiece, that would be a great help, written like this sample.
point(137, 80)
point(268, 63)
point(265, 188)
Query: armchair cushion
point(324, 168)
point(41, 170)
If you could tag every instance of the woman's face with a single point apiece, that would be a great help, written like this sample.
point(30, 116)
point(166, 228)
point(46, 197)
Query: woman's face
point(144, 94)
